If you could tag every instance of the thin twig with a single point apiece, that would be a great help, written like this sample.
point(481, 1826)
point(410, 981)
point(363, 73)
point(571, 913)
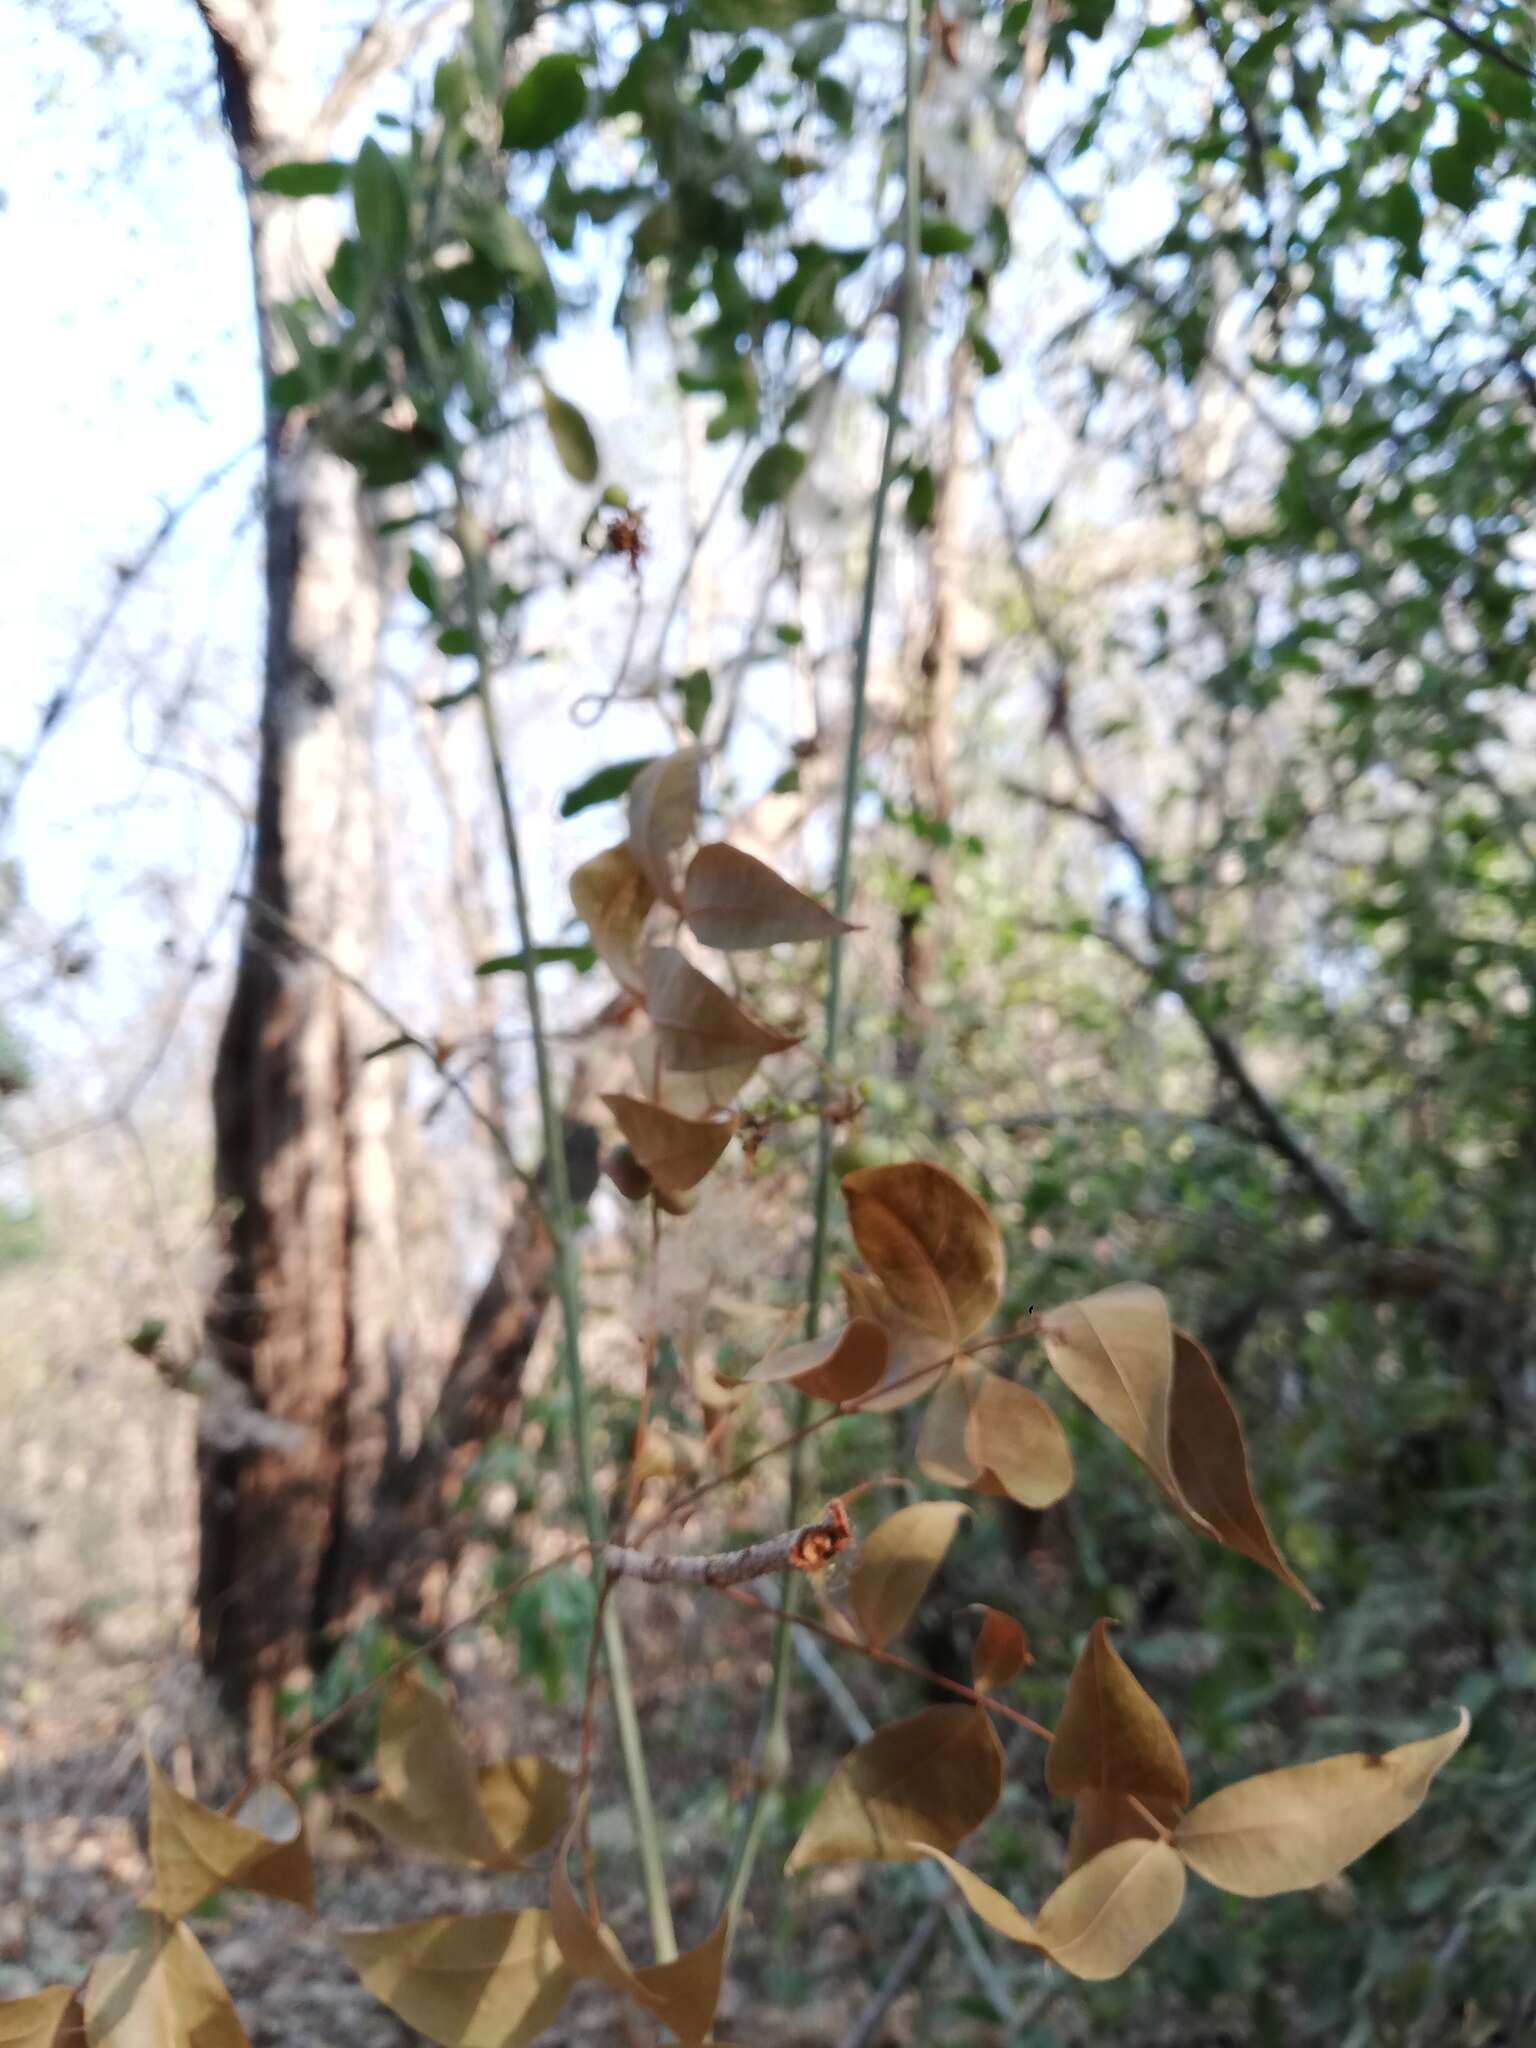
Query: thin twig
point(866, 2028)
point(809, 1549)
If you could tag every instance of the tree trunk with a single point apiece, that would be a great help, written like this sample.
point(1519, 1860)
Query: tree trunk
point(303, 1170)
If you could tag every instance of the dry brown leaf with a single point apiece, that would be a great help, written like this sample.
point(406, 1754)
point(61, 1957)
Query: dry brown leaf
point(613, 898)
point(693, 1095)
point(842, 1366)
point(626, 1173)
point(682, 1994)
point(1016, 1444)
point(932, 1245)
point(1101, 1819)
point(1097, 1921)
point(466, 1980)
point(1101, 1918)
point(1210, 1463)
point(1111, 1735)
point(910, 1350)
point(896, 1563)
point(698, 1028)
point(1288, 1830)
point(944, 1440)
point(674, 1150)
point(48, 2019)
point(663, 810)
point(433, 1799)
point(733, 902)
point(1001, 1652)
point(1115, 1351)
point(918, 1784)
point(195, 1852)
point(154, 1988)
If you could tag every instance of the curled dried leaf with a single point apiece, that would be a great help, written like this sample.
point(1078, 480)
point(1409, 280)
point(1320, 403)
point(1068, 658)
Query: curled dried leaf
point(918, 1784)
point(910, 1350)
point(466, 1980)
point(929, 1241)
point(613, 896)
point(1288, 1830)
point(195, 1852)
point(698, 1028)
point(676, 1151)
point(1016, 1444)
point(842, 1366)
point(1098, 1920)
point(527, 1801)
point(897, 1562)
point(626, 1173)
point(1112, 1735)
point(48, 2019)
point(1210, 1463)
point(154, 1988)
point(1001, 1651)
point(733, 902)
point(695, 1095)
point(663, 810)
point(1115, 1351)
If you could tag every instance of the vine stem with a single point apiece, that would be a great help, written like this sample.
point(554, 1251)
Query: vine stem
point(772, 1740)
point(560, 1220)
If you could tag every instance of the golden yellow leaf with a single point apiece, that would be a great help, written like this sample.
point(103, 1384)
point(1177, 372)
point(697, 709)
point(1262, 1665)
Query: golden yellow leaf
point(613, 896)
point(896, 1563)
point(1016, 1444)
point(1101, 1918)
point(696, 1094)
point(1210, 1463)
point(154, 1988)
point(1115, 1351)
point(1101, 1819)
point(698, 1028)
point(944, 1440)
point(733, 902)
point(466, 1980)
point(1288, 1830)
point(842, 1366)
point(195, 1852)
point(676, 1151)
point(682, 1994)
point(1112, 1735)
point(663, 809)
point(932, 1245)
point(1001, 1652)
point(433, 1799)
point(48, 2019)
point(910, 1350)
point(916, 1784)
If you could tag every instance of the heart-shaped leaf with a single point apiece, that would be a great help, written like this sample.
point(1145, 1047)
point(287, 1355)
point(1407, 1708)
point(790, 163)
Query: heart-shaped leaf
point(1016, 1444)
point(734, 902)
point(1001, 1652)
point(918, 1784)
point(1210, 1463)
point(683, 1994)
point(663, 810)
point(154, 1988)
point(698, 1027)
point(676, 1151)
point(48, 2019)
point(932, 1245)
point(1111, 1735)
point(896, 1564)
point(1288, 1830)
point(195, 1852)
point(842, 1366)
point(613, 896)
point(466, 1980)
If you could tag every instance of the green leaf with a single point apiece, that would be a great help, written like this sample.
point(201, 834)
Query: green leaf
point(455, 640)
point(771, 478)
point(383, 220)
point(453, 89)
point(503, 240)
point(603, 787)
point(920, 499)
point(582, 958)
point(787, 784)
point(304, 180)
point(1453, 177)
point(421, 580)
point(697, 693)
point(572, 437)
point(943, 238)
point(544, 104)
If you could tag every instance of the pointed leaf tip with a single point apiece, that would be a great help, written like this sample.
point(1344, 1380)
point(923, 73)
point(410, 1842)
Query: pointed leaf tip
point(734, 902)
point(1112, 1736)
point(698, 1028)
